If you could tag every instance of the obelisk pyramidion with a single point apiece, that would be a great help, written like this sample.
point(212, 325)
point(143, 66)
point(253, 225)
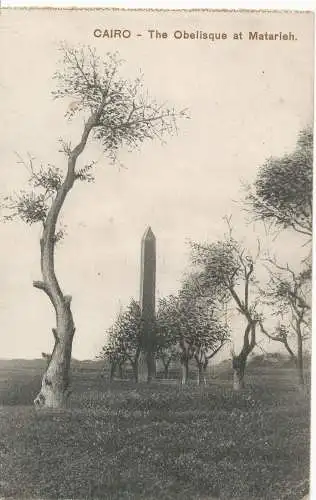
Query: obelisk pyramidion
point(148, 296)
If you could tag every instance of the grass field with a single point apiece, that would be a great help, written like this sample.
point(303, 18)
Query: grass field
point(158, 441)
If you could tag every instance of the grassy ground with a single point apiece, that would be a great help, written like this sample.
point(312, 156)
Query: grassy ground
point(155, 442)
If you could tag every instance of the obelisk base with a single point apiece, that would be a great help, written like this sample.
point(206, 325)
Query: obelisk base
point(143, 369)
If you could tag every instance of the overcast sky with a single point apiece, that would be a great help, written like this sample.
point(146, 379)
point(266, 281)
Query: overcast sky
point(247, 101)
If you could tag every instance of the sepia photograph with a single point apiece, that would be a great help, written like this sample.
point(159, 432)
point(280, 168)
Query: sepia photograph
point(156, 221)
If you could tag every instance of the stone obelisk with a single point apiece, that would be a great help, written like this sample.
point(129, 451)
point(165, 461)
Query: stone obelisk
point(148, 297)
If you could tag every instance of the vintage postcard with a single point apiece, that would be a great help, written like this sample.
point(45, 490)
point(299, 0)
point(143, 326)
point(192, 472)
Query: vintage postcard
point(156, 193)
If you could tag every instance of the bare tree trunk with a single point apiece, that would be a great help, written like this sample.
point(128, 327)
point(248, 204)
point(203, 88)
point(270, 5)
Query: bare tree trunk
point(135, 370)
point(200, 373)
point(239, 365)
point(185, 371)
point(166, 369)
point(56, 381)
point(205, 365)
point(300, 373)
point(299, 361)
point(112, 371)
point(239, 362)
point(120, 367)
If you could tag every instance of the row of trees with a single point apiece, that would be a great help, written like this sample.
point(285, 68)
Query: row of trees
point(185, 329)
point(223, 275)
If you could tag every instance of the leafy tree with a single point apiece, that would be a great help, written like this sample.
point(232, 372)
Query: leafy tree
point(282, 192)
point(171, 321)
point(193, 323)
point(112, 350)
point(125, 339)
point(224, 270)
point(166, 339)
point(288, 294)
point(207, 333)
point(117, 113)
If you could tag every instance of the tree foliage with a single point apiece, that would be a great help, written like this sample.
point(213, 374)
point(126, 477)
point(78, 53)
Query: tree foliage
point(224, 271)
point(287, 289)
point(127, 116)
point(166, 338)
point(32, 205)
point(193, 325)
point(282, 192)
point(125, 336)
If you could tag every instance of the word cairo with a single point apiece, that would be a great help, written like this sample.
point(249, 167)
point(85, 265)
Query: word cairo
point(256, 35)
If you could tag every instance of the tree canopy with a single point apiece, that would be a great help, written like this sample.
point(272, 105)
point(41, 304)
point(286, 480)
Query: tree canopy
point(282, 192)
point(125, 337)
point(126, 115)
